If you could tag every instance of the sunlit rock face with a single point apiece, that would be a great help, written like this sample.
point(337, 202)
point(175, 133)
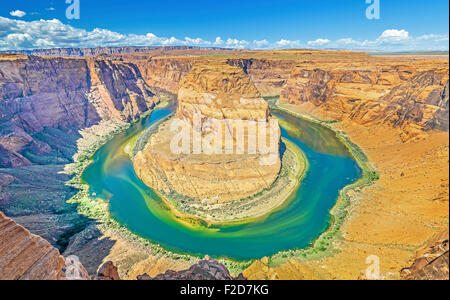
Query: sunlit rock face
point(24, 256)
point(408, 98)
point(221, 145)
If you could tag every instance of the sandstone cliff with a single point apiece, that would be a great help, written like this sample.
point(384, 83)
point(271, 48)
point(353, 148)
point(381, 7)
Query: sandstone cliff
point(166, 73)
point(397, 95)
point(118, 90)
point(43, 99)
point(24, 256)
point(269, 75)
point(213, 92)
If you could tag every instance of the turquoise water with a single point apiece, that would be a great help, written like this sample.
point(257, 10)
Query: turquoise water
point(111, 176)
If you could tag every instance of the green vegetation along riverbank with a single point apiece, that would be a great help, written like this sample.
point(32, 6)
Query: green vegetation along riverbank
point(323, 245)
point(98, 209)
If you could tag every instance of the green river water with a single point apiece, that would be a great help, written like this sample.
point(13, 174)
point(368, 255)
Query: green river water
point(300, 221)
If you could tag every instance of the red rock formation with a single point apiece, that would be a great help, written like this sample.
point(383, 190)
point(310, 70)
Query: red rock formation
point(395, 95)
point(107, 271)
point(431, 261)
point(63, 94)
point(269, 76)
point(26, 256)
point(118, 91)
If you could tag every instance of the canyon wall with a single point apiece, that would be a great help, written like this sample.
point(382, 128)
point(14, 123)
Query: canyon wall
point(268, 75)
point(88, 52)
point(44, 102)
point(46, 106)
point(400, 96)
point(166, 73)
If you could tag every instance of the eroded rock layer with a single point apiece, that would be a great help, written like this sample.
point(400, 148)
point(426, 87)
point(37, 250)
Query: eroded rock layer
point(217, 92)
point(45, 101)
point(401, 96)
point(26, 256)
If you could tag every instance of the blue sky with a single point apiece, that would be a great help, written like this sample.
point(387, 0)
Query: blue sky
point(403, 24)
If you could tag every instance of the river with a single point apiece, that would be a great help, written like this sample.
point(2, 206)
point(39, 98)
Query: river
point(299, 222)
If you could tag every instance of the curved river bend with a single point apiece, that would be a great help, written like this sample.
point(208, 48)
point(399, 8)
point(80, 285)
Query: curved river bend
point(300, 221)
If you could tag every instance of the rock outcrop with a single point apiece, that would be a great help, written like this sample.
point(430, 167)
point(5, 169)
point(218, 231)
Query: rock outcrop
point(26, 256)
point(107, 271)
point(165, 72)
point(211, 99)
point(403, 97)
point(203, 270)
point(432, 260)
point(118, 90)
point(45, 101)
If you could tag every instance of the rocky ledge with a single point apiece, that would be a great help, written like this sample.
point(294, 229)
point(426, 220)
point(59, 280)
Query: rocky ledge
point(205, 270)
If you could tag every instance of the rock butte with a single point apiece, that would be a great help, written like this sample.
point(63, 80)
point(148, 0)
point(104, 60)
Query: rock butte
point(221, 92)
point(394, 107)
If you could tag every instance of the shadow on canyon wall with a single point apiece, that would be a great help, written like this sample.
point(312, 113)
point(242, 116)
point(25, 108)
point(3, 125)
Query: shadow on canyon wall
point(37, 199)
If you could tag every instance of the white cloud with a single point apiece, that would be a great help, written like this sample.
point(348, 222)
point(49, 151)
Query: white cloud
point(287, 43)
point(18, 13)
point(433, 37)
point(348, 41)
point(318, 42)
point(219, 41)
point(394, 36)
point(197, 41)
point(235, 43)
point(397, 40)
point(261, 44)
point(18, 34)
